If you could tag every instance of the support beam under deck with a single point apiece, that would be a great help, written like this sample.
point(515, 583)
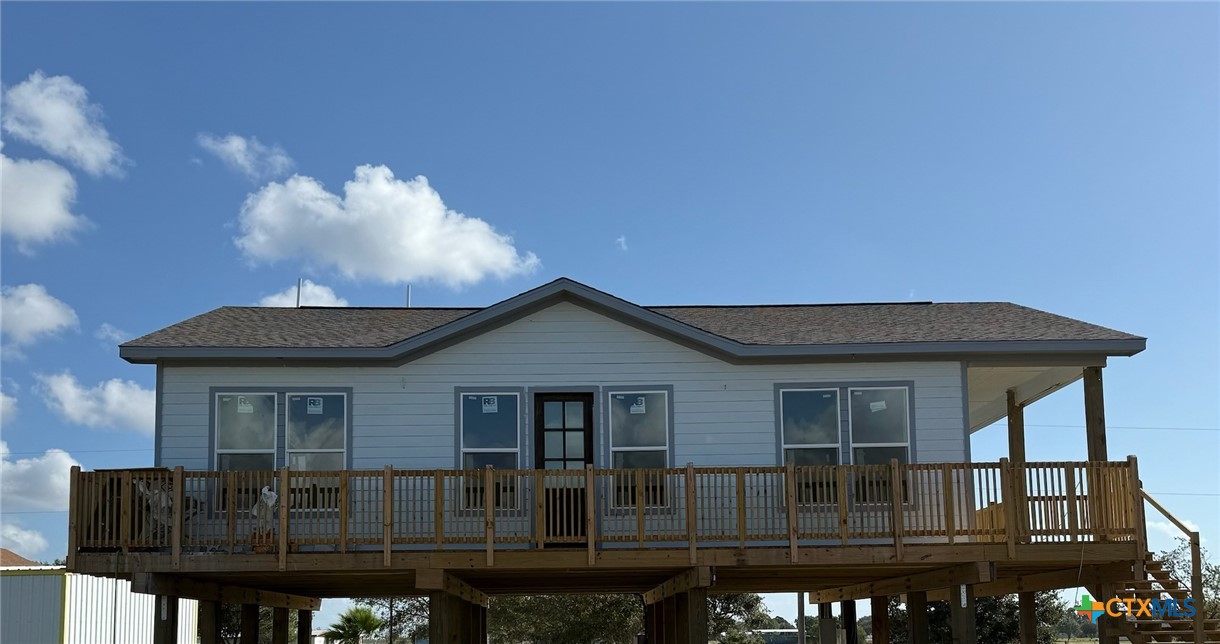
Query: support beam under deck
point(971, 573)
point(700, 577)
point(163, 584)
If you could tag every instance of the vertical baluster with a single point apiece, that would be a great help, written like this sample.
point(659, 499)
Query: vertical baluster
point(790, 510)
point(896, 506)
point(639, 506)
point(178, 500)
point(841, 499)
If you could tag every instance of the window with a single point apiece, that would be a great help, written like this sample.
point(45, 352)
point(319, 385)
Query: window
point(880, 424)
point(491, 431)
point(245, 431)
point(490, 435)
point(809, 431)
point(880, 431)
point(639, 438)
point(810, 427)
point(316, 431)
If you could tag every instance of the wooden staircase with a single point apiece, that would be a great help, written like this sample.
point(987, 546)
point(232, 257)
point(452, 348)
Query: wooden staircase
point(1150, 629)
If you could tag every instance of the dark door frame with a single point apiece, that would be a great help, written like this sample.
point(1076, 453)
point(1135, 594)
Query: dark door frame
point(539, 433)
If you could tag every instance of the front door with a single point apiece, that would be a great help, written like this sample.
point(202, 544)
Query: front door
point(563, 440)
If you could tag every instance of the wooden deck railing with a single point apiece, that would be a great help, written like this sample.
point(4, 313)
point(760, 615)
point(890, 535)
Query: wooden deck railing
point(179, 511)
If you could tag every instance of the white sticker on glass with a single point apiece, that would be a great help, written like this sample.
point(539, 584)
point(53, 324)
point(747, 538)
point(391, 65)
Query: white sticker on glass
point(638, 406)
point(877, 406)
point(313, 405)
point(244, 406)
point(491, 405)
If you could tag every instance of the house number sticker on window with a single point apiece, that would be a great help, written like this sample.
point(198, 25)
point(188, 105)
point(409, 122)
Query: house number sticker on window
point(638, 406)
point(244, 406)
point(313, 405)
point(491, 405)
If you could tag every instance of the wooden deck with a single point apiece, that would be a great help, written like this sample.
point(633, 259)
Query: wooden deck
point(901, 517)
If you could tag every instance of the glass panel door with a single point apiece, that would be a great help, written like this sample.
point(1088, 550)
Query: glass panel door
point(563, 439)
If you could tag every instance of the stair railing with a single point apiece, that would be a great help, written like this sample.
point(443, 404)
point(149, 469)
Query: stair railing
point(1196, 563)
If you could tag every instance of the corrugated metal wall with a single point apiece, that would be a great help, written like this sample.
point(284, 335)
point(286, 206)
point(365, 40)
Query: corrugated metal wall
point(105, 611)
point(30, 605)
point(98, 610)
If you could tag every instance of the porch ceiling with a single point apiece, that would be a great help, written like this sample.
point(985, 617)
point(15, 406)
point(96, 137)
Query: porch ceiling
point(988, 387)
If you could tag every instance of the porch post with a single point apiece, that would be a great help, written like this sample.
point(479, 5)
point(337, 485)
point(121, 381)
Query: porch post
point(464, 615)
point(652, 623)
point(847, 615)
point(1028, 618)
point(438, 616)
point(800, 618)
point(1094, 415)
point(1016, 429)
point(304, 627)
point(479, 625)
point(669, 612)
point(881, 619)
point(249, 624)
point(279, 626)
point(692, 616)
point(917, 616)
point(209, 622)
point(165, 623)
point(1107, 630)
point(961, 614)
point(826, 624)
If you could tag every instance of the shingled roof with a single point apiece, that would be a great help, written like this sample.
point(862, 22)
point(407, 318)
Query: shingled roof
point(8, 558)
point(800, 325)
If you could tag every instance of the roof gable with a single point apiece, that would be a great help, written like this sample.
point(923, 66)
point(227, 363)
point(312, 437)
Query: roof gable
point(730, 332)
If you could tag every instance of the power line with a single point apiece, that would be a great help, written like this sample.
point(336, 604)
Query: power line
point(1159, 429)
point(85, 451)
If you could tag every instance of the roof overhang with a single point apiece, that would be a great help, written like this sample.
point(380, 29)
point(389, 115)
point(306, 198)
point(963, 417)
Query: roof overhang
point(565, 289)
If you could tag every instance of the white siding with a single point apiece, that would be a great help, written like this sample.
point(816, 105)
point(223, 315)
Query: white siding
point(97, 610)
point(724, 414)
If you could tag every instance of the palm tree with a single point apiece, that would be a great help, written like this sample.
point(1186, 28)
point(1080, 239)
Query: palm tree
point(354, 624)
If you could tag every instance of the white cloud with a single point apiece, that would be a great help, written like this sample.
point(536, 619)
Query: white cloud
point(110, 334)
point(622, 242)
point(27, 543)
point(28, 314)
point(36, 199)
point(381, 228)
point(1172, 531)
point(55, 114)
point(115, 403)
point(311, 295)
point(248, 156)
point(40, 482)
point(8, 409)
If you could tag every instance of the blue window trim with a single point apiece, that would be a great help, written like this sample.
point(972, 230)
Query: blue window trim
point(522, 417)
point(668, 390)
point(843, 386)
point(281, 416)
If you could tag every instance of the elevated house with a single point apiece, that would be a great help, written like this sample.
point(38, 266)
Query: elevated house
point(566, 440)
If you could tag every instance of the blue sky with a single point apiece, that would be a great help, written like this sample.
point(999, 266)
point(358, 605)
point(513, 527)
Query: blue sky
point(1063, 156)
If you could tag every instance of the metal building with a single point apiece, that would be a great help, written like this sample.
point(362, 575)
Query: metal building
point(48, 605)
